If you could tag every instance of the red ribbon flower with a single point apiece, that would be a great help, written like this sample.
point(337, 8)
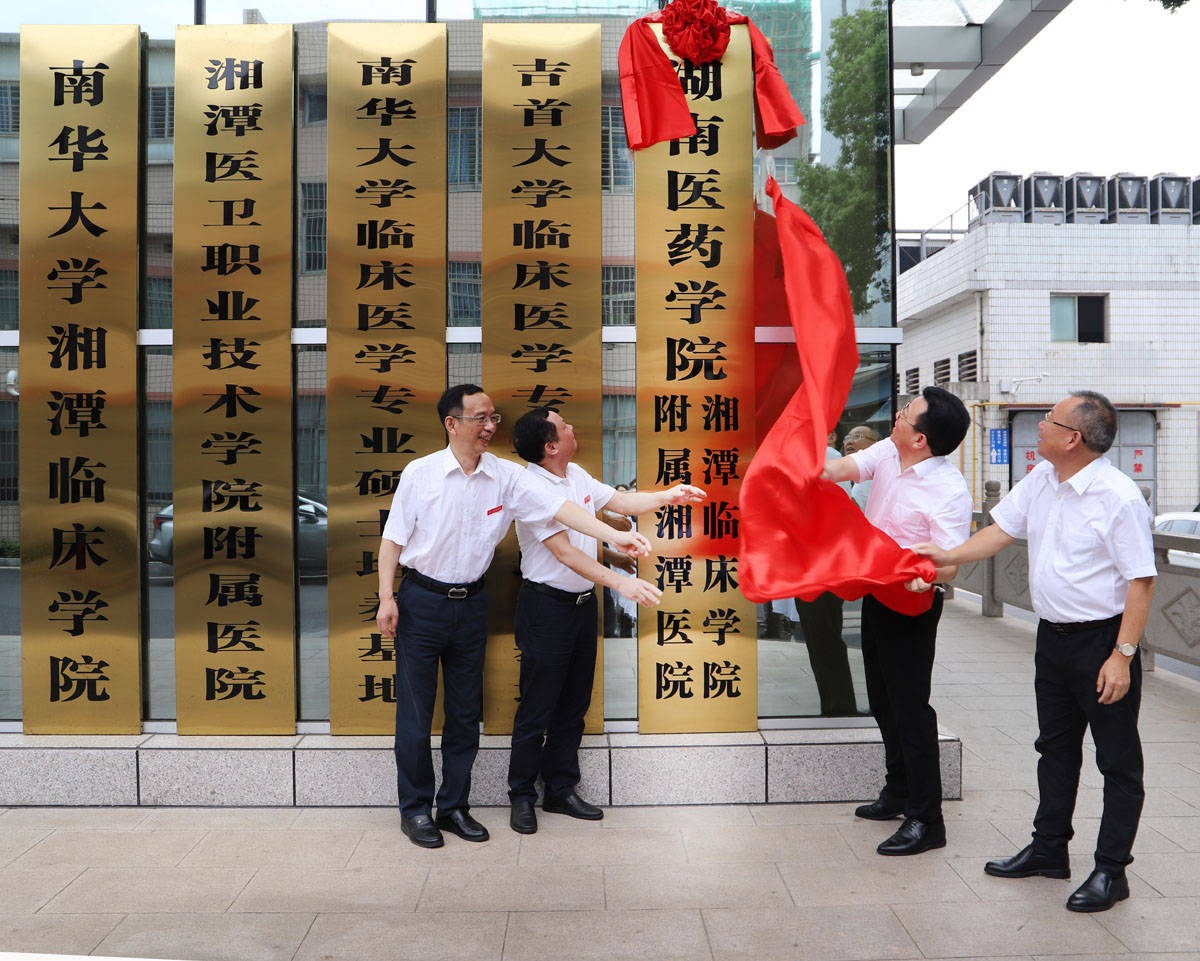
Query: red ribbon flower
point(696, 29)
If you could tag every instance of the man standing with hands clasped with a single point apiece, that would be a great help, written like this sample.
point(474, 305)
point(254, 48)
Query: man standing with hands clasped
point(556, 619)
point(449, 512)
point(1091, 578)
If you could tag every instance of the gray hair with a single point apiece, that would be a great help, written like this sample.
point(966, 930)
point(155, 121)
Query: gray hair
point(1097, 419)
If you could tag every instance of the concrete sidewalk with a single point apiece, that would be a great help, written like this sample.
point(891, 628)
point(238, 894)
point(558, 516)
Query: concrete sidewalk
point(758, 882)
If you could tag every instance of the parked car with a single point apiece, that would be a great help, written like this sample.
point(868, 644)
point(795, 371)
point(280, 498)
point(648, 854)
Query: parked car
point(1186, 525)
point(311, 536)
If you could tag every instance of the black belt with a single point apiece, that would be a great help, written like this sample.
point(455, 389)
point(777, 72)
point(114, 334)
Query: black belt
point(576, 599)
point(456, 592)
point(1074, 627)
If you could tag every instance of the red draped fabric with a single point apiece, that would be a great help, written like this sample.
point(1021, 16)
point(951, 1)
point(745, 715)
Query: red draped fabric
point(653, 102)
point(802, 535)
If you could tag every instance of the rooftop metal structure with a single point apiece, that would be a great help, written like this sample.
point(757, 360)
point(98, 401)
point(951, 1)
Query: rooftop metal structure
point(945, 50)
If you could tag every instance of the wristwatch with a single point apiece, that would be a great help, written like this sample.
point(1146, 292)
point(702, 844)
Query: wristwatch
point(1127, 649)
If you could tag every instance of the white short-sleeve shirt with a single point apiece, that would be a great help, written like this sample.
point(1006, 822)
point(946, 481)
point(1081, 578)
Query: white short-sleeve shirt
point(927, 502)
point(448, 522)
point(1089, 536)
point(538, 562)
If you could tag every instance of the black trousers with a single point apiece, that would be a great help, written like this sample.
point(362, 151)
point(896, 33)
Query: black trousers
point(898, 655)
point(1065, 671)
point(557, 640)
point(434, 630)
point(821, 622)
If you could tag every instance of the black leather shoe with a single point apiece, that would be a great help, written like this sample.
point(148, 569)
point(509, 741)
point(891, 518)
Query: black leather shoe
point(523, 818)
point(881, 809)
point(572, 805)
point(914, 837)
point(1099, 892)
point(461, 823)
point(421, 831)
point(1027, 863)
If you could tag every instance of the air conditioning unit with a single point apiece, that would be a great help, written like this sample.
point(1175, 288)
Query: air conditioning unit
point(1128, 199)
point(1042, 199)
point(1170, 199)
point(996, 199)
point(1086, 200)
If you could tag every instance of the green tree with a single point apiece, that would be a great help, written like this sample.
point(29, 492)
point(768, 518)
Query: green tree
point(849, 198)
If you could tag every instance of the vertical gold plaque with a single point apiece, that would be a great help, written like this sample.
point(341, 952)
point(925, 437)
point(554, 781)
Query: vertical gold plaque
point(80, 553)
point(697, 653)
point(386, 353)
point(541, 274)
point(235, 502)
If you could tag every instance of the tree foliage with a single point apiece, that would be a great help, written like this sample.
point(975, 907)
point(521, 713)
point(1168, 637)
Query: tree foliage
point(1172, 5)
point(849, 198)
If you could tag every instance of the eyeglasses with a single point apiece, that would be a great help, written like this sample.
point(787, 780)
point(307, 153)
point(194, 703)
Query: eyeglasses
point(904, 417)
point(480, 419)
point(1047, 420)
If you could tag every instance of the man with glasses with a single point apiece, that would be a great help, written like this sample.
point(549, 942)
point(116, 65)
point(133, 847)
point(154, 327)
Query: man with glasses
point(449, 512)
point(556, 619)
point(1091, 579)
point(916, 495)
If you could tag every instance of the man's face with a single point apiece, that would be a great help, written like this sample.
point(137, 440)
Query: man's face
point(857, 439)
point(907, 419)
point(1058, 428)
point(566, 435)
point(473, 428)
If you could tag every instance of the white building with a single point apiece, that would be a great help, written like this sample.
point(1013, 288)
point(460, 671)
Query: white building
point(1014, 315)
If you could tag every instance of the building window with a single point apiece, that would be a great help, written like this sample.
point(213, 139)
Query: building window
point(1078, 317)
point(312, 227)
point(158, 303)
point(912, 380)
point(616, 161)
point(941, 372)
point(160, 117)
point(9, 300)
point(315, 105)
point(968, 367)
point(10, 107)
point(617, 303)
point(465, 287)
point(462, 147)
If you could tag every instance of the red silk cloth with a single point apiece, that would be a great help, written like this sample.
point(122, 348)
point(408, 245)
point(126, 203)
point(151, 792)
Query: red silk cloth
point(654, 105)
point(802, 536)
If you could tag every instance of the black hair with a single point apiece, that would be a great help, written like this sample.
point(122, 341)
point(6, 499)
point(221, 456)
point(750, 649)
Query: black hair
point(532, 432)
point(1097, 420)
point(944, 422)
point(451, 404)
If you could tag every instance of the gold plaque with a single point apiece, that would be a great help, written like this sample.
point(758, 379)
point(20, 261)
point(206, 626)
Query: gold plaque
point(386, 357)
point(541, 276)
point(697, 653)
point(80, 552)
point(235, 503)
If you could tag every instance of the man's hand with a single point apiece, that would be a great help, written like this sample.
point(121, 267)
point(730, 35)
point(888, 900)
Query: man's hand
point(620, 561)
point(639, 591)
point(918, 585)
point(386, 617)
point(630, 542)
point(684, 494)
point(617, 521)
point(1113, 682)
point(940, 558)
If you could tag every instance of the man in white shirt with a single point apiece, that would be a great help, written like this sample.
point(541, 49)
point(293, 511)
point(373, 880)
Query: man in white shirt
point(1091, 579)
point(916, 495)
point(449, 512)
point(856, 439)
point(556, 619)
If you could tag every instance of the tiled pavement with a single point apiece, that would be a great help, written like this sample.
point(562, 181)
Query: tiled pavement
point(755, 882)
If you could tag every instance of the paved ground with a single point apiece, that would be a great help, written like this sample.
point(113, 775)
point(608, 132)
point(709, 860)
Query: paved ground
point(753, 882)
